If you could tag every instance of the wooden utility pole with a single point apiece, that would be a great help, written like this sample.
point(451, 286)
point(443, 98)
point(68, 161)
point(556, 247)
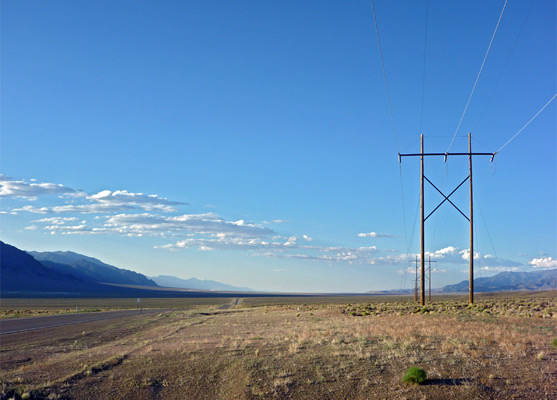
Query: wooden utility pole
point(416, 282)
point(471, 279)
point(429, 270)
point(422, 241)
point(429, 267)
point(422, 154)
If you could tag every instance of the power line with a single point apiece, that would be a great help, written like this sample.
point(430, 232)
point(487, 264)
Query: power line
point(505, 64)
point(423, 75)
point(392, 119)
point(527, 123)
point(385, 75)
point(478, 77)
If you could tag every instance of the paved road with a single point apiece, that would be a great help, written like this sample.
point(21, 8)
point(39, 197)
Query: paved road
point(235, 302)
point(31, 324)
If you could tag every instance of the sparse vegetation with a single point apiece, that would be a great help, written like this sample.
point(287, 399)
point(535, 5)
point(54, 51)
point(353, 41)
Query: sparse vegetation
point(266, 351)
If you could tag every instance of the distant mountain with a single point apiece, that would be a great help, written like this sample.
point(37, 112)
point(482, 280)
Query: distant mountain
point(83, 267)
point(21, 273)
point(506, 281)
point(193, 283)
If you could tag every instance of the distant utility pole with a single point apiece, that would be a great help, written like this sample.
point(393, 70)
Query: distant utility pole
point(429, 269)
point(446, 198)
point(416, 282)
point(429, 278)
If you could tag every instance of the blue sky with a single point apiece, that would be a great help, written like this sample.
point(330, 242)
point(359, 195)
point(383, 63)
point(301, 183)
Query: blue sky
point(250, 142)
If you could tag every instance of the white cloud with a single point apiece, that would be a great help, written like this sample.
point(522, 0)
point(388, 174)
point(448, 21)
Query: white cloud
point(276, 246)
point(135, 200)
point(307, 238)
point(374, 235)
point(224, 242)
point(359, 256)
point(78, 208)
point(69, 229)
point(106, 202)
point(10, 188)
point(75, 201)
point(57, 220)
point(543, 262)
point(291, 241)
point(158, 225)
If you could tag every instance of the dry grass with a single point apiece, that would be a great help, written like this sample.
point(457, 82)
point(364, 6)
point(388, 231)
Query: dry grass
point(317, 351)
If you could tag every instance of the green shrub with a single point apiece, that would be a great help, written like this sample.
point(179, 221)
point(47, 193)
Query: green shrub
point(554, 343)
point(415, 375)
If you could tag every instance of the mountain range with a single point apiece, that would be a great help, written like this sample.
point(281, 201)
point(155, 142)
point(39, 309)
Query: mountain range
point(65, 273)
point(89, 268)
point(505, 281)
point(193, 283)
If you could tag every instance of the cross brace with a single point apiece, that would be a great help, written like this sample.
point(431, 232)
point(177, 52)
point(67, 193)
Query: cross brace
point(447, 198)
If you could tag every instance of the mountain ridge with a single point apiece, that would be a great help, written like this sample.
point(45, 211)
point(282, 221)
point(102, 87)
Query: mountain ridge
point(196, 284)
point(91, 267)
point(509, 281)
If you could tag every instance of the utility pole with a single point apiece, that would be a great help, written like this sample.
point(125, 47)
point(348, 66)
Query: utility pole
point(416, 282)
point(429, 267)
point(422, 154)
point(422, 240)
point(471, 278)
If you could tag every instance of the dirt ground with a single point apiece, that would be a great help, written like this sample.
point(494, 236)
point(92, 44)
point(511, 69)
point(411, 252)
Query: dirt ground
point(499, 349)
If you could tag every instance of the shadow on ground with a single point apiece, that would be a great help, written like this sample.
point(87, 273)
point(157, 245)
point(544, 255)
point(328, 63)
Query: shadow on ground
point(447, 382)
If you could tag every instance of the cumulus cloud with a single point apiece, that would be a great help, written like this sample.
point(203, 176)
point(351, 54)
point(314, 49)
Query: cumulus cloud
point(543, 262)
point(278, 247)
point(78, 208)
point(225, 242)
point(69, 229)
point(150, 202)
point(336, 254)
point(57, 220)
point(157, 225)
point(103, 202)
point(11, 188)
point(449, 255)
point(374, 235)
point(453, 255)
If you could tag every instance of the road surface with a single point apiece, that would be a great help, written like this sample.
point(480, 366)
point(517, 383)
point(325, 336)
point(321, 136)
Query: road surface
point(17, 325)
point(235, 302)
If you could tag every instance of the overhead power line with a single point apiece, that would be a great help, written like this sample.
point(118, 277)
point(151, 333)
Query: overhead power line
point(423, 75)
point(392, 119)
point(385, 76)
point(478, 77)
point(527, 123)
